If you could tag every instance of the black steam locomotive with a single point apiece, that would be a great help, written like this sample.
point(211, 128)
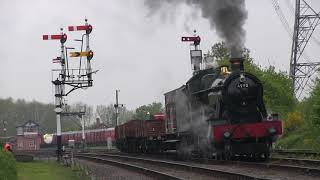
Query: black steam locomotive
point(217, 113)
point(221, 113)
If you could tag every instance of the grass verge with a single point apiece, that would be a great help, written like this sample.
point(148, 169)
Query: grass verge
point(41, 170)
point(302, 138)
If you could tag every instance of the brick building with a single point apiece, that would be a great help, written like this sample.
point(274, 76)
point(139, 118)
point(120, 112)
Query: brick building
point(28, 137)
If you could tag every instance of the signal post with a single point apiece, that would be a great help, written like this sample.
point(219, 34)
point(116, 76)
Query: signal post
point(116, 106)
point(76, 78)
point(195, 53)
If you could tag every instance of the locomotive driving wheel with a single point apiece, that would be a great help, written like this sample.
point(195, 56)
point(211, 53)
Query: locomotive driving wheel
point(228, 154)
point(183, 151)
point(266, 155)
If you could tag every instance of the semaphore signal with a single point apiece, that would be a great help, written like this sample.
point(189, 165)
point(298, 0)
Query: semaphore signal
point(61, 37)
point(196, 39)
point(56, 60)
point(89, 54)
point(76, 78)
point(87, 28)
point(195, 52)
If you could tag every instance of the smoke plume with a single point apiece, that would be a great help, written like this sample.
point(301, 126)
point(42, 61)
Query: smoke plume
point(227, 17)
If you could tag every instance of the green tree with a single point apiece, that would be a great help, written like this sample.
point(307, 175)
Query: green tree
point(125, 115)
point(145, 112)
point(219, 52)
point(294, 121)
point(315, 109)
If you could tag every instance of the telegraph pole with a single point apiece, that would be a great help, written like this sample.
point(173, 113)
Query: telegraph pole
point(116, 106)
point(301, 70)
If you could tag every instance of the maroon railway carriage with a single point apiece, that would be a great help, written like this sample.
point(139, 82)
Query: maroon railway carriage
point(92, 137)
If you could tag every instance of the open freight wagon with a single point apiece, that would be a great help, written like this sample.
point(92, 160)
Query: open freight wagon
point(141, 135)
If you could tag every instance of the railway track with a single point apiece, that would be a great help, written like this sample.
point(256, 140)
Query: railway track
point(299, 166)
point(276, 168)
point(290, 152)
point(303, 168)
point(165, 169)
point(298, 162)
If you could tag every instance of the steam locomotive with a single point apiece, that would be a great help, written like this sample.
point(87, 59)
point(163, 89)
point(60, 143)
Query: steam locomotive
point(222, 113)
point(217, 113)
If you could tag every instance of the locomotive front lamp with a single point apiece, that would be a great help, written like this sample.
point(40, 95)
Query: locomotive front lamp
point(272, 131)
point(242, 78)
point(227, 134)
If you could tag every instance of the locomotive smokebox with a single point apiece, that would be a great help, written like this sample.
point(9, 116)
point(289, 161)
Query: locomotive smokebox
point(237, 64)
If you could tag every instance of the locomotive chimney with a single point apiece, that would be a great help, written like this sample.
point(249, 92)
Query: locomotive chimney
point(237, 64)
point(98, 120)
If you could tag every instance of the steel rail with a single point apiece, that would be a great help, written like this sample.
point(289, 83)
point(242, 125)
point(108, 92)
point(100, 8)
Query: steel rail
point(270, 165)
point(303, 162)
point(177, 165)
point(296, 151)
point(135, 168)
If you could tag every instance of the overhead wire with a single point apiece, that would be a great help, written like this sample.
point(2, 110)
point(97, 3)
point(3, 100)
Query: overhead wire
point(290, 6)
point(289, 30)
point(285, 23)
point(282, 17)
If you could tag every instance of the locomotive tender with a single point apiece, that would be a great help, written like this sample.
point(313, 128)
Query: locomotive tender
point(217, 113)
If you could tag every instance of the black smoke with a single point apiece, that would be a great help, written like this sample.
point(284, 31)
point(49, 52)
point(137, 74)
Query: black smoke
point(227, 17)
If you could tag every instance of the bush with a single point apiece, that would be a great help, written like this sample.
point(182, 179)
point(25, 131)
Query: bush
point(315, 98)
point(294, 121)
point(8, 170)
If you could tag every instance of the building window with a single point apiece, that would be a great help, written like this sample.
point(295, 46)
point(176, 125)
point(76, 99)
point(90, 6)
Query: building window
point(31, 144)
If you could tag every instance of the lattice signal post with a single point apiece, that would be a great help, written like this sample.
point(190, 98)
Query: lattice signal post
point(76, 78)
point(301, 70)
point(80, 115)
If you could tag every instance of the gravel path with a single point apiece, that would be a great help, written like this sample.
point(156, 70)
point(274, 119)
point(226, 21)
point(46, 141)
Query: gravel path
point(184, 174)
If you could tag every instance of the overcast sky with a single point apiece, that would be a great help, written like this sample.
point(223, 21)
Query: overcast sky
point(139, 54)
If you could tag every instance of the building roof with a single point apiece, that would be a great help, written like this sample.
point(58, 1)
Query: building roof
point(29, 123)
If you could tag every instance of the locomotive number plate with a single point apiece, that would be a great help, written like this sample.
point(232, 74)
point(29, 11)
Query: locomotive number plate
point(243, 85)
